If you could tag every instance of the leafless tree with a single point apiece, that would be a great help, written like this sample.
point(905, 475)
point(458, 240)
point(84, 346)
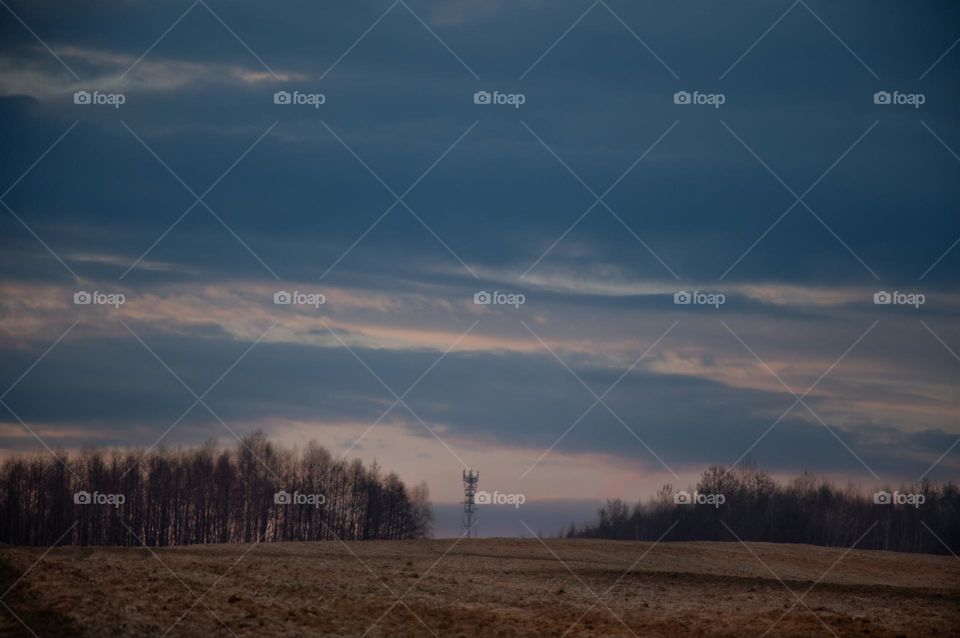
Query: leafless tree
point(204, 495)
point(807, 509)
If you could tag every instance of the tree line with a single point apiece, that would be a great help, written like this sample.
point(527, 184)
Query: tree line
point(807, 509)
point(258, 491)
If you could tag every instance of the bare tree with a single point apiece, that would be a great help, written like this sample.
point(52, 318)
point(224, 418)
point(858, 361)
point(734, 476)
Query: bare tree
point(807, 509)
point(205, 495)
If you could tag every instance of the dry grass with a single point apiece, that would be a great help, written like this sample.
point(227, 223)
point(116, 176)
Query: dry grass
point(500, 587)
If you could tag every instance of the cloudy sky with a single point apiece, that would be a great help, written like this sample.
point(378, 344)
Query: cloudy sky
point(790, 160)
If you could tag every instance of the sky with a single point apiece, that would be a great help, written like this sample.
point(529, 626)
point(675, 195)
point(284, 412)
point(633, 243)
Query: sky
point(486, 217)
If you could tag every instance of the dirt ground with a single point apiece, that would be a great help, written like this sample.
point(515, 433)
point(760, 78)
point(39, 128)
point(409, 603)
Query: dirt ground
point(479, 587)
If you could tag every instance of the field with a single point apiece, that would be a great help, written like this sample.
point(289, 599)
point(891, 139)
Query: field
point(479, 587)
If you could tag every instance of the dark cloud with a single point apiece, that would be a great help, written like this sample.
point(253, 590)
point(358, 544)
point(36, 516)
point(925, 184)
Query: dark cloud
point(399, 99)
point(499, 200)
point(503, 400)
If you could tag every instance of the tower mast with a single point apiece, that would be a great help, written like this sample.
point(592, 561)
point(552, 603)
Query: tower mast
point(470, 480)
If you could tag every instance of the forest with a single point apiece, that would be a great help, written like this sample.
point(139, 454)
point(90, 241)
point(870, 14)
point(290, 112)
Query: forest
point(257, 491)
point(807, 509)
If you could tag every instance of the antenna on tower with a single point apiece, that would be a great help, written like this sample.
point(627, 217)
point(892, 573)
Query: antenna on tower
point(470, 480)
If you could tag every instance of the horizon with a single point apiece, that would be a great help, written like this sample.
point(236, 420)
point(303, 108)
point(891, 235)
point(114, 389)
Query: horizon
point(553, 516)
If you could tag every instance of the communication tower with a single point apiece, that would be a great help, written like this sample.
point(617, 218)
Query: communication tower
point(470, 480)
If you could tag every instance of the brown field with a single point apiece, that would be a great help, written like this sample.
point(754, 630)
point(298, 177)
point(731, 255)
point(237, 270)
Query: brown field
point(497, 587)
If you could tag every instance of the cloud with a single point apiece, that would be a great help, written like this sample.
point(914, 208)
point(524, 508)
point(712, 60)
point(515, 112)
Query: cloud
point(108, 71)
point(473, 398)
point(596, 272)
